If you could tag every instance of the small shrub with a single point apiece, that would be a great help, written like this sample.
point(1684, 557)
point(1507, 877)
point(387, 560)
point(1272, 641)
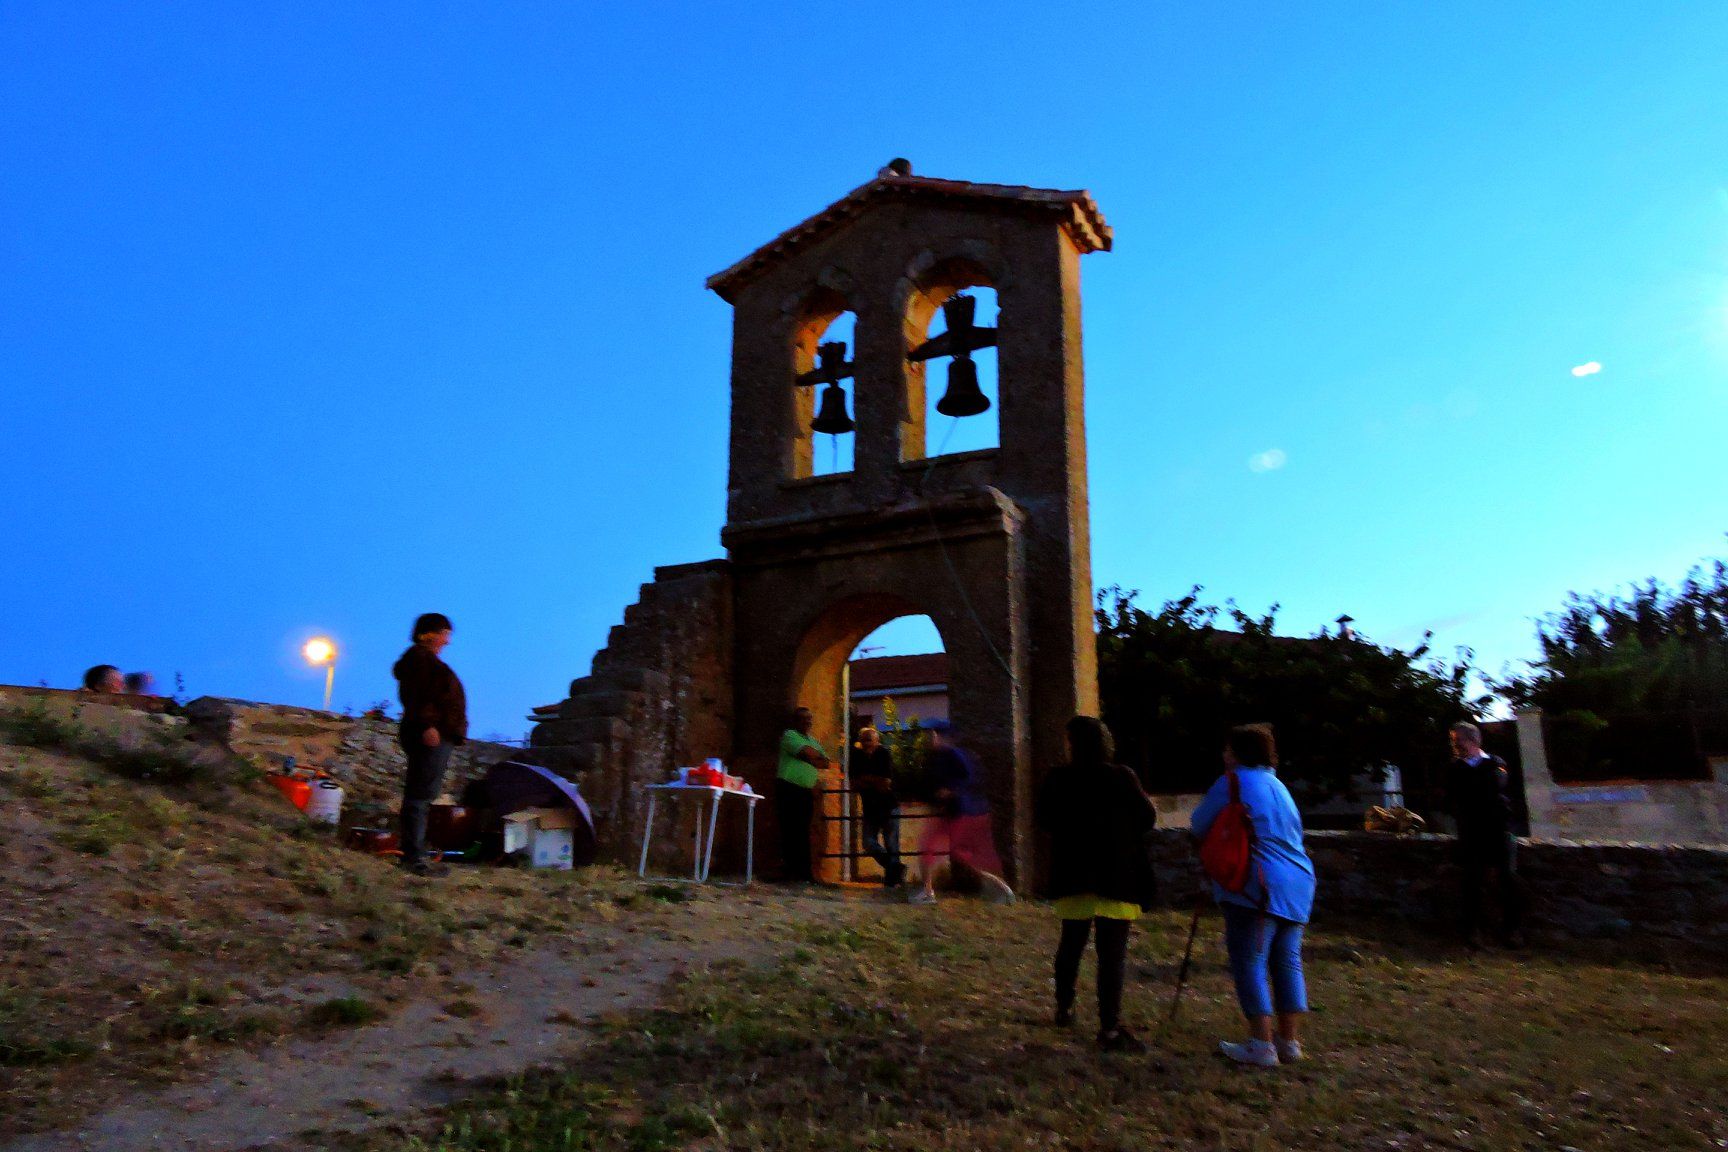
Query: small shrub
point(95, 833)
point(31, 783)
point(164, 759)
point(24, 1043)
point(35, 725)
point(343, 1012)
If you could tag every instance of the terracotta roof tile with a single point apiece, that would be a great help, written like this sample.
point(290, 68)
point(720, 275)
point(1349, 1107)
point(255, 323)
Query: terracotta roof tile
point(886, 673)
point(1084, 222)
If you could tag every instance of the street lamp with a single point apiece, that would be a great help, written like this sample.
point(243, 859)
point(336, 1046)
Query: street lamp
point(321, 650)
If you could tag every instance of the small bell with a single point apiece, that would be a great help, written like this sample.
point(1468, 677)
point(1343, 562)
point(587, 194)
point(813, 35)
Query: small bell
point(963, 398)
point(831, 416)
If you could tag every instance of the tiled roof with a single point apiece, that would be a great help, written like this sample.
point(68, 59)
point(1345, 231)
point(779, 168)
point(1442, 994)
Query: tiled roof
point(1080, 213)
point(886, 673)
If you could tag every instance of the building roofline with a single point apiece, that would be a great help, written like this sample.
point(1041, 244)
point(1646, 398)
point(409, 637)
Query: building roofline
point(1079, 213)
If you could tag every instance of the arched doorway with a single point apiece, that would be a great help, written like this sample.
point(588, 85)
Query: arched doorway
point(896, 682)
point(821, 682)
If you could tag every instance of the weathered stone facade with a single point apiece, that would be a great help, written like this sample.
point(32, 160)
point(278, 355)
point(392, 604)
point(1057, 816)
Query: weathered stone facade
point(659, 696)
point(359, 752)
point(1577, 889)
point(992, 545)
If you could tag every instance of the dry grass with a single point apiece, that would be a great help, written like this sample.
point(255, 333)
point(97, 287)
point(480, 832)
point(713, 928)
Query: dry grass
point(154, 919)
point(894, 1027)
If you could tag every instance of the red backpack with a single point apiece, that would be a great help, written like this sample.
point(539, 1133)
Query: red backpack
point(1227, 849)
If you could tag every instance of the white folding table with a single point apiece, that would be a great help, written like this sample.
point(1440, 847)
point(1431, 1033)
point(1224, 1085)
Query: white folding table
point(704, 854)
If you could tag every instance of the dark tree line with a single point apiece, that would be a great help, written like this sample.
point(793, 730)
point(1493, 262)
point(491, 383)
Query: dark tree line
point(1634, 685)
point(1172, 682)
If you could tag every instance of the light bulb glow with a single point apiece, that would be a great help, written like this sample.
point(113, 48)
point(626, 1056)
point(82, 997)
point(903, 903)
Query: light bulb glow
point(319, 651)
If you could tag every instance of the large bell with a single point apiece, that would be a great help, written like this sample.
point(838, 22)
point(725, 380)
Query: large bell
point(831, 416)
point(964, 397)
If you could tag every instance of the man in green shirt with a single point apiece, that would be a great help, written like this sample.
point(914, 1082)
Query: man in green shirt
point(801, 762)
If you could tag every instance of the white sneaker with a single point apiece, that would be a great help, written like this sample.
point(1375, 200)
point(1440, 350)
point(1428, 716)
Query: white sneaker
point(921, 897)
point(1289, 1051)
point(1254, 1053)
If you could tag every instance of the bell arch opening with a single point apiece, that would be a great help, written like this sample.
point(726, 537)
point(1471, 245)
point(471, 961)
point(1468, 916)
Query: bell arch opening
point(954, 396)
point(823, 345)
point(849, 671)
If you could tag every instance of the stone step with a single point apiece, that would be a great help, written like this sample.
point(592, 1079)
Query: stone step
point(639, 680)
point(608, 730)
point(601, 701)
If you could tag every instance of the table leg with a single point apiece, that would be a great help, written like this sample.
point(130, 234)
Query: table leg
point(713, 819)
point(647, 833)
point(750, 844)
point(696, 861)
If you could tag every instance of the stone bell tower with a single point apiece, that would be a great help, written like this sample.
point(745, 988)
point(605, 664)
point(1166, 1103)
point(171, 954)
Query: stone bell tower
point(992, 545)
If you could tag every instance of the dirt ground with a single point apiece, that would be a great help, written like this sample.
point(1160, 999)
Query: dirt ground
point(192, 961)
point(186, 964)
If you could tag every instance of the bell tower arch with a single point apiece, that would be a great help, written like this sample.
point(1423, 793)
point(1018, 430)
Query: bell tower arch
point(993, 544)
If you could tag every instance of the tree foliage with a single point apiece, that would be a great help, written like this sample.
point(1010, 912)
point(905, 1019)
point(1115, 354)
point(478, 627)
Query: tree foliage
point(1657, 650)
point(1172, 683)
point(1633, 685)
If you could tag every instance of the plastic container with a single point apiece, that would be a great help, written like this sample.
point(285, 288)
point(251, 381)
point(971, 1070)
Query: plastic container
point(324, 804)
point(298, 791)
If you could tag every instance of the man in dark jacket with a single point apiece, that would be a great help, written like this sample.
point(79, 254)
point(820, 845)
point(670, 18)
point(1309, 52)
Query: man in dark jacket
point(1476, 785)
point(873, 777)
point(434, 722)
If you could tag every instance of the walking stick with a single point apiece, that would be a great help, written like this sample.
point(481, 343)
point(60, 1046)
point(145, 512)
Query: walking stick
point(1187, 956)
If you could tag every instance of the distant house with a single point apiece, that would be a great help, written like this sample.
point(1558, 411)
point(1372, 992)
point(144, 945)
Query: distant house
point(918, 685)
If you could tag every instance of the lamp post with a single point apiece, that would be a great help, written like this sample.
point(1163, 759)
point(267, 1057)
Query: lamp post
point(321, 650)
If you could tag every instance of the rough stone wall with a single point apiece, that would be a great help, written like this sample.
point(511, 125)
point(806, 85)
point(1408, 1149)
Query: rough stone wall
point(1009, 584)
point(358, 752)
point(1645, 811)
point(659, 696)
point(1577, 889)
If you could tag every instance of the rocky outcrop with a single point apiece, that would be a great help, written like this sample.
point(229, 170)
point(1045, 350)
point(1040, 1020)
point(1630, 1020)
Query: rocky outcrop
point(658, 696)
point(358, 752)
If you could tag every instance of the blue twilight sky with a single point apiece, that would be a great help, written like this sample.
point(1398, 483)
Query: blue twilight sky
point(317, 315)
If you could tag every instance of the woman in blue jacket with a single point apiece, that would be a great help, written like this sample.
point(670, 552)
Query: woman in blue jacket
point(1263, 923)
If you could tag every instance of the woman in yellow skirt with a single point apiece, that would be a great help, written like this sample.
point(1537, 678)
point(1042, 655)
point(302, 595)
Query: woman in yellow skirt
point(1099, 820)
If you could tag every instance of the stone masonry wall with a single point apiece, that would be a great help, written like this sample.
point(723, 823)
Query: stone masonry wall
point(358, 752)
point(1577, 889)
point(659, 696)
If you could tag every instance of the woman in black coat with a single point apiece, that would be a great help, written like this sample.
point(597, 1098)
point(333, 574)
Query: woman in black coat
point(1099, 820)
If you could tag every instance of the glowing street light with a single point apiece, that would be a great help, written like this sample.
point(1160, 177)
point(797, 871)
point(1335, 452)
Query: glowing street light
point(322, 650)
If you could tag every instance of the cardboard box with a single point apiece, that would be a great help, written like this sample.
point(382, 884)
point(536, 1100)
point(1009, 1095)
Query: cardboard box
point(546, 834)
point(553, 848)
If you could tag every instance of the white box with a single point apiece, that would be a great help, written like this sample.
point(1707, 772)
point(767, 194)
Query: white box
point(553, 848)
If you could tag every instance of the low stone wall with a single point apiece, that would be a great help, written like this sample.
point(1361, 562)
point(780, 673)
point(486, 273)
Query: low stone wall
point(358, 752)
point(1577, 889)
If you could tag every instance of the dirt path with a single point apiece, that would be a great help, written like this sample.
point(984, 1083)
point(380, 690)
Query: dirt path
point(538, 1006)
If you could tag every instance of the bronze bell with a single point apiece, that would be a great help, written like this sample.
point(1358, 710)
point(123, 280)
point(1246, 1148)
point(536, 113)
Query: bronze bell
point(963, 397)
point(831, 416)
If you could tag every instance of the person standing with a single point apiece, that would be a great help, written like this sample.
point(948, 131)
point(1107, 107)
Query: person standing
point(801, 762)
point(1263, 923)
point(873, 776)
point(1101, 875)
point(962, 823)
point(1476, 795)
point(434, 723)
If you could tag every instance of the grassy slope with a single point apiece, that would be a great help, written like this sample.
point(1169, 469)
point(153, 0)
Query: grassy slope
point(927, 1029)
point(147, 927)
